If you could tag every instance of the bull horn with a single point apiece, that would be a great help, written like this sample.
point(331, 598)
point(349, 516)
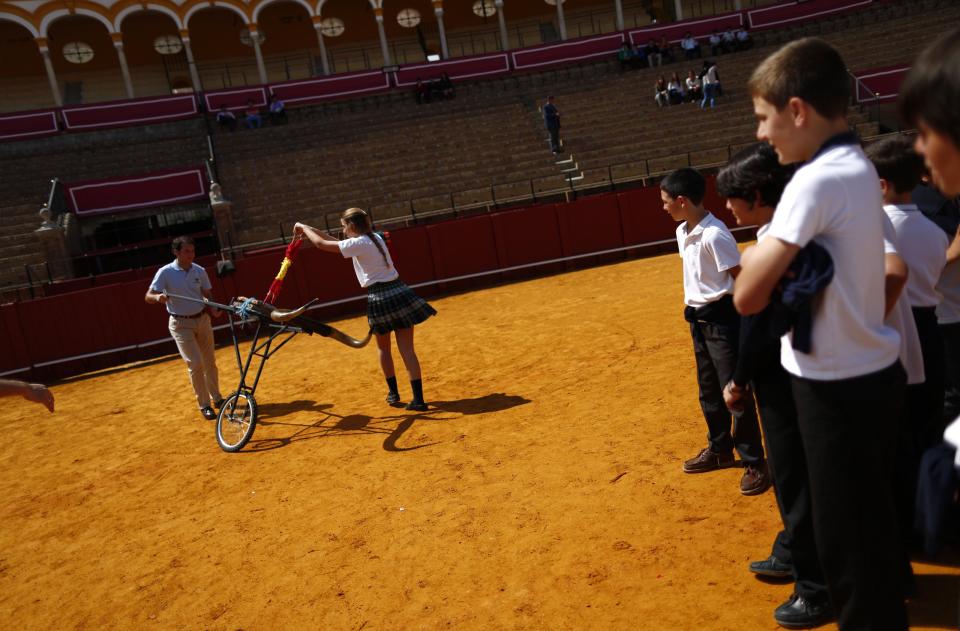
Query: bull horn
point(280, 315)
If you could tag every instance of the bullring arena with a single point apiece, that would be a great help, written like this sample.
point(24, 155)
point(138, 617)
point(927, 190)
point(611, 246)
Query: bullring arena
point(543, 488)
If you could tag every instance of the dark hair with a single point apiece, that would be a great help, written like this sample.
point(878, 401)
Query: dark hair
point(360, 220)
point(179, 242)
point(753, 170)
point(931, 90)
point(809, 69)
point(686, 182)
point(897, 162)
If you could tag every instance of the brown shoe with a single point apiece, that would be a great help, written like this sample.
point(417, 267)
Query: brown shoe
point(707, 460)
point(755, 479)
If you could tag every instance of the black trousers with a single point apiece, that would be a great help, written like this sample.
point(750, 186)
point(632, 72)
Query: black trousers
point(950, 333)
point(715, 348)
point(786, 458)
point(849, 429)
point(927, 418)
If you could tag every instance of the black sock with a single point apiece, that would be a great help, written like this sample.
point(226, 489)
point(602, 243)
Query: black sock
point(392, 384)
point(417, 385)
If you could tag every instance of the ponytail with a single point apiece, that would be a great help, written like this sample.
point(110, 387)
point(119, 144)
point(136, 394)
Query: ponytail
point(361, 223)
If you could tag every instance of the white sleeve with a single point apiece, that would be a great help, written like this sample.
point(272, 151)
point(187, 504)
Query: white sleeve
point(352, 247)
point(804, 209)
point(723, 247)
point(889, 236)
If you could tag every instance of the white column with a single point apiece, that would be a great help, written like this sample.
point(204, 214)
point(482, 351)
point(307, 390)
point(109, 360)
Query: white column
point(323, 46)
point(191, 64)
point(438, 11)
point(51, 75)
point(378, 13)
point(678, 5)
point(124, 68)
point(618, 5)
point(562, 22)
point(262, 69)
point(501, 18)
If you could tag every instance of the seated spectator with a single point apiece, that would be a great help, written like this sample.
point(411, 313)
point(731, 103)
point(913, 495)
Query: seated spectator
point(253, 120)
point(660, 94)
point(277, 110)
point(625, 56)
point(675, 89)
point(716, 43)
point(744, 41)
point(226, 119)
point(729, 41)
point(446, 86)
point(691, 47)
point(639, 56)
point(422, 91)
point(694, 91)
point(653, 54)
point(666, 50)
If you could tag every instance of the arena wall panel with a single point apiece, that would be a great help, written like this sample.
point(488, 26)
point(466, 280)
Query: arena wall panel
point(13, 343)
point(235, 98)
point(642, 217)
point(590, 224)
point(570, 51)
point(337, 86)
point(458, 69)
point(28, 125)
point(111, 195)
point(412, 256)
point(463, 246)
point(527, 235)
point(129, 112)
point(799, 11)
point(884, 82)
point(674, 32)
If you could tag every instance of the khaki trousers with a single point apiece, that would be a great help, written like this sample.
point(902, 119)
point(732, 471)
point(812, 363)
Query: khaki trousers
point(194, 338)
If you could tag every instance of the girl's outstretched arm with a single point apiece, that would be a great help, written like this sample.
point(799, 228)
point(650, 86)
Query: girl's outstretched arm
point(318, 238)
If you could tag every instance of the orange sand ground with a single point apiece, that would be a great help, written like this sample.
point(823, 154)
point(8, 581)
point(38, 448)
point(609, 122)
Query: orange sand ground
point(542, 491)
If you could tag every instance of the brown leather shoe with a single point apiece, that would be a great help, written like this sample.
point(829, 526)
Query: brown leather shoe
point(755, 480)
point(708, 460)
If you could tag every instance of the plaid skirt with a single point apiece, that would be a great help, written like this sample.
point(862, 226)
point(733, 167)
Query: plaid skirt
point(392, 305)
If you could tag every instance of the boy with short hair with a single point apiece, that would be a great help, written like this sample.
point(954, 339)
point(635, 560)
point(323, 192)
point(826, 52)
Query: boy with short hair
point(711, 261)
point(849, 388)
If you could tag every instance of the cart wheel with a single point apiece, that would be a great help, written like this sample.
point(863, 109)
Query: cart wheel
point(236, 422)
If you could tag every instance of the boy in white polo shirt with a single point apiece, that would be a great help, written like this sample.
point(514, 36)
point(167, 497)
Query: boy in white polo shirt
point(711, 261)
point(849, 388)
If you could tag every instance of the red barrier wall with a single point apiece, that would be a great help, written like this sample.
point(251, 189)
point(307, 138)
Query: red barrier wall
point(463, 246)
point(573, 50)
point(642, 217)
point(25, 125)
point(129, 112)
point(412, 256)
point(883, 81)
point(110, 195)
point(778, 15)
point(235, 98)
point(527, 235)
point(591, 224)
point(700, 29)
point(458, 69)
point(315, 90)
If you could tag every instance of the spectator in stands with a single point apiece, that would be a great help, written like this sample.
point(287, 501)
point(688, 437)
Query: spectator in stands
point(626, 56)
point(729, 41)
point(252, 112)
point(422, 91)
point(551, 119)
point(189, 321)
point(660, 92)
point(446, 86)
point(666, 50)
point(744, 41)
point(694, 90)
point(711, 85)
point(653, 54)
point(226, 119)
point(675, 89)
point(36, 392)
point(640, 56)
point(716, 43)
point(277, 110)
point(690, 45)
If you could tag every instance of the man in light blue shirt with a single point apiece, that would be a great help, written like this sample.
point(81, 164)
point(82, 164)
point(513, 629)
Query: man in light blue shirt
point(189, 321)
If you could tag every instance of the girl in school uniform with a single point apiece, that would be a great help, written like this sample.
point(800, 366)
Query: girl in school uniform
point(391, 305)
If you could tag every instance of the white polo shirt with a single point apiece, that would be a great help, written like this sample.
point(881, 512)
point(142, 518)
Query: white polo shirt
point(901, 319)
point(184, 282)
point(923, 247)
point(708, 251)
point(368, 263)
point(835, 199)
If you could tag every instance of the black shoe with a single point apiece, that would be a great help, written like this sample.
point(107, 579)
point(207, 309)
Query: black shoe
point(772, 566)
point(801, 613)
point(393, 398)
point(417, 406)
point(219, 404)
point(208, 413)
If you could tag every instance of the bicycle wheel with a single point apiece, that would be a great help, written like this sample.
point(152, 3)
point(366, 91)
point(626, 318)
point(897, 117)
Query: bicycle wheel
point(236, 422)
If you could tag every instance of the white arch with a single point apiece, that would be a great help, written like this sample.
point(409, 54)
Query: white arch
point(223, 5)
point(19, 20)
point(117, 21)
point(266, 3)
point(53, 16)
